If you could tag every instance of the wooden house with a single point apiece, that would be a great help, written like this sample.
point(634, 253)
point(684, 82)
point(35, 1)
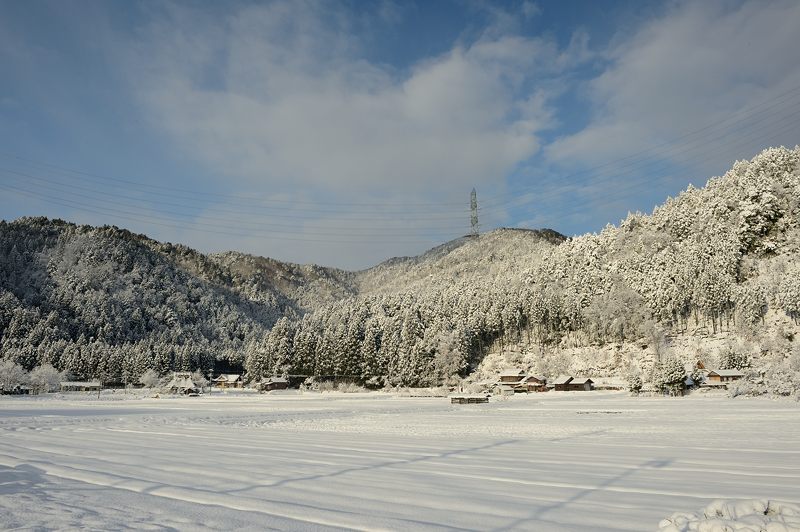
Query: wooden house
point(273, 383)
point(566, 383)
point(535, 383)
point(722, 376)
point(560, 383)
point(581, 384)
point(228, 380)
point(512, 376)
point(504, 389)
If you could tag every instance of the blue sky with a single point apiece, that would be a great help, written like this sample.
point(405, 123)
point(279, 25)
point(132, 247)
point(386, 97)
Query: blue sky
point(344, 133)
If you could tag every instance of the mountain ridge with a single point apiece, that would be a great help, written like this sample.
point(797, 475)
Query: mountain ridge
point(106, 301)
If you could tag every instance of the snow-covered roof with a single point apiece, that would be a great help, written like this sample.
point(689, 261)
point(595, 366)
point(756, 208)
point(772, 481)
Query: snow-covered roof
point(512, 372)
point(276, 380)
point(540, 378)
point(84, 384)
point(228, 377)
point(182, 381)
point(562, 379)
point(581, 380)
point(727, 372)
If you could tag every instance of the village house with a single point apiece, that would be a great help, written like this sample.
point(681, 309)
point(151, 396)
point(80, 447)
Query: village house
point(273, 383)
point(512, 376)
point(80, 386)
point(535, 383)
point(228, 380)
point(566, 383)
point(581, 384)
point(182, 383)
point(719, 376)
point(513, 380)
point(560, 383)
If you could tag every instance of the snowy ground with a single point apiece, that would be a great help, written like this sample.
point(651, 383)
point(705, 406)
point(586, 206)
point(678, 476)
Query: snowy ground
point(557, 461)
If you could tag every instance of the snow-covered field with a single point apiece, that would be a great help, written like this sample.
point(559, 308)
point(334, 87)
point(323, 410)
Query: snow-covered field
point(557, 461)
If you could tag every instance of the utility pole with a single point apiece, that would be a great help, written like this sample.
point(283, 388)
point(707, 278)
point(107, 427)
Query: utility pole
point(473, 206)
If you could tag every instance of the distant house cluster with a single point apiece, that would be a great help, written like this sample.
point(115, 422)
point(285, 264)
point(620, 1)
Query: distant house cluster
point(514, 380)
point(511, 381)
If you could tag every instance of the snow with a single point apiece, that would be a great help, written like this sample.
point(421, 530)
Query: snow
point(727, 516)
point(555, 461)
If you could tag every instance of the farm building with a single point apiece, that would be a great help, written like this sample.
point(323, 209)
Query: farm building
point(228, 380)
point(80, 386)
point(182, 383)
point(535, 383)
point(721, 376)
point(566, 383)
point(560, 383)
point(504, 389)
point(469, 399)
point(273, 383)
point(512, 376)
point(581, 384)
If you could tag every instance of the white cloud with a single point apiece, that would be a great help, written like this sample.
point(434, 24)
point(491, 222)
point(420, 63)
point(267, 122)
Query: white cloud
point(280, 95)
point(698, 64)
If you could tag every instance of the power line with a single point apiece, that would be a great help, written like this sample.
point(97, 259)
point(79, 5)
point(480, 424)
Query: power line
point(617, 193)
point(614, 173)
point(637, 159)
point(89, 194)
point(211, 228)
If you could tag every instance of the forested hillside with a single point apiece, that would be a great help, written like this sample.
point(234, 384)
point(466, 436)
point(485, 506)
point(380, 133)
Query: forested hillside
point(722, 259)
point(104, 302)
point(714, 260)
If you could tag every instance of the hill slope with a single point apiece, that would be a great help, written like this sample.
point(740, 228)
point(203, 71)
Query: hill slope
point(719, 261)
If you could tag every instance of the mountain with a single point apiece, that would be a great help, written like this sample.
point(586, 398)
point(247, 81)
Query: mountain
point(711, 275)
point(715, 263)
point(77, 296)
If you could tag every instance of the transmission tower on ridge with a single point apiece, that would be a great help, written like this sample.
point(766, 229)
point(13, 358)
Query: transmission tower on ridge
point(473, 206)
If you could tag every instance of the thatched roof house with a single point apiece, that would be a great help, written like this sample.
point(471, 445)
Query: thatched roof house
point(182, 383)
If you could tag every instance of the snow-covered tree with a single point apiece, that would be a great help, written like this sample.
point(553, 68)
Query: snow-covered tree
point(668, 376)
point(44, 378)
point(11, 375)
point(150, 379)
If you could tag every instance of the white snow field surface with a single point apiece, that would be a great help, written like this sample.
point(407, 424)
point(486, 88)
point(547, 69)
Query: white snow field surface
point(551, 462)
point(733, 516)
